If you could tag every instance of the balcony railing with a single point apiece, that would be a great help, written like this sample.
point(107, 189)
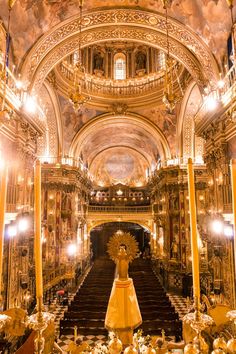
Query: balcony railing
point(126, 88)
point(178, 161)
point(222, 96)
point(66, 161)
point(119, 209)
point(55, 276)
point(16, 94)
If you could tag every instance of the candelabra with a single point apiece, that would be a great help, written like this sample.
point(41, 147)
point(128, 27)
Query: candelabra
point(39, 322)
point(4, 319)
point(198, 321)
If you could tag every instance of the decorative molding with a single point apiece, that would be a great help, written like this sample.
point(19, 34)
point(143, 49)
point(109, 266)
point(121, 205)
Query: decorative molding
point(111, 119)
point(128, 24)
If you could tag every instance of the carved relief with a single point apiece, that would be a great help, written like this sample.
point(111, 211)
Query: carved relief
point(180, 35)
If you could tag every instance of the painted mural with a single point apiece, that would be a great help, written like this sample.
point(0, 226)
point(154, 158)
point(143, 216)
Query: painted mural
point(73, 120)
point(119, 165)
point(165, 121)
point(38, 17)
point(118, 135)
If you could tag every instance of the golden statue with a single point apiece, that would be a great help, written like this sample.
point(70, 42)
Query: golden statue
point(123, 314)
point(122, 264)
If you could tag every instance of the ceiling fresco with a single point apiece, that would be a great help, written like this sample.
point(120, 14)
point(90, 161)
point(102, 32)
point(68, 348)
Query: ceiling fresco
point(73, 120)
point(120, 135)
point(165, 121)
point(208, 18)
point(119, 165)
point(119, 152)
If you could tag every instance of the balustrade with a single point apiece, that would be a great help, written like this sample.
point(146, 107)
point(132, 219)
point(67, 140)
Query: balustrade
point(119, 209)
point(66, 160)
point(130, 87)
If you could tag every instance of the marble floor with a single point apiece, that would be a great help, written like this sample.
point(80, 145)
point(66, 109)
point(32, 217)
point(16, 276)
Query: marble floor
point(65, 341)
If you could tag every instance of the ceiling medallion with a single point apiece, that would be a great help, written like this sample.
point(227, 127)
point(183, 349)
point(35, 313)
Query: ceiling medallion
point(119, 108)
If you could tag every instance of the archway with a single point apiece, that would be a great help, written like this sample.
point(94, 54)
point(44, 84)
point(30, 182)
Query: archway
point(125, 24)
point(101, 234)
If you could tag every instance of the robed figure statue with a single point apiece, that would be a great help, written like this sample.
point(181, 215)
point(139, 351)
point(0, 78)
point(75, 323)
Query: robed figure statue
point(123, 314)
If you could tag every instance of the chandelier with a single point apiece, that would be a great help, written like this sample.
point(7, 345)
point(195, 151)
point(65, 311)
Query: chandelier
point(76, 95)
point(169, 97)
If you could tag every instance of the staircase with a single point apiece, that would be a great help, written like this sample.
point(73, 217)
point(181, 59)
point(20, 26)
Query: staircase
point(88, 309)
point(155, 306)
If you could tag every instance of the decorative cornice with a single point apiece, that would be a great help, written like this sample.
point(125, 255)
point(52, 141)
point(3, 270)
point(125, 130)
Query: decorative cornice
point(129, 24)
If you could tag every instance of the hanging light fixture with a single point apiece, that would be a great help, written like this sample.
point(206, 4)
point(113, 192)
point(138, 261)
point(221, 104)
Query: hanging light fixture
point(169, 97)
point(76, 95)
point(5, 114)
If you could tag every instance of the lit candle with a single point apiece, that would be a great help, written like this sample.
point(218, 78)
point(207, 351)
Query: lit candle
point(75, 333)
point(194, 234)
point(3, 194)
point(37, 239)
point(233, 183)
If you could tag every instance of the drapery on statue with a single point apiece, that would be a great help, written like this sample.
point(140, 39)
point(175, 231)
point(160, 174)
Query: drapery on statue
point(140, 61)
point(123, 314)
point(122, 264)
point(98, 61)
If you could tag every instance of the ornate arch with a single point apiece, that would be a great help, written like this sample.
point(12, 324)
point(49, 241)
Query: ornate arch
point(142, 223)
point(189, 144)
point(123, 24)
point(50, 143)
point(111, 119)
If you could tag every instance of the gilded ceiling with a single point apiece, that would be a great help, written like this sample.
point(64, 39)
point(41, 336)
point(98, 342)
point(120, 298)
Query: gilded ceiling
point(208, 18)
point(135, 137)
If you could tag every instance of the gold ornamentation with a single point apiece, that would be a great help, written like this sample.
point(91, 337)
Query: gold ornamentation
point(122, 239)
point(16, 326)
point(33, 66)
point(140, 34)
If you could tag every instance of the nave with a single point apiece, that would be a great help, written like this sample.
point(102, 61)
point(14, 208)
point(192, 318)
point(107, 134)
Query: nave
point(88, 308)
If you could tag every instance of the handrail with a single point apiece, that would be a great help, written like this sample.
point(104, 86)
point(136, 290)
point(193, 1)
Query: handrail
point(118, 208)
point(177, 161)
point(65, 161)
point(55, 275)
point(129, 87)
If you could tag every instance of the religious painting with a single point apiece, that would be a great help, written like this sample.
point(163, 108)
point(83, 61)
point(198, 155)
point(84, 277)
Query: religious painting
point(73, 120)
point(38, 17)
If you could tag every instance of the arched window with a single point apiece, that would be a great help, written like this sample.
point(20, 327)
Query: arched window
point(120, 66)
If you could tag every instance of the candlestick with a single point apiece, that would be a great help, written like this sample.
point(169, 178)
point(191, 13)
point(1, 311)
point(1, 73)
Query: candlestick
point(37, 239)
point(3, 194)
point(233, 184)
point(75, 333)
point(194, 234)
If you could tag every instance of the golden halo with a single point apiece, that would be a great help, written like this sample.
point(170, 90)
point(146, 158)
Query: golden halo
point(122, 238)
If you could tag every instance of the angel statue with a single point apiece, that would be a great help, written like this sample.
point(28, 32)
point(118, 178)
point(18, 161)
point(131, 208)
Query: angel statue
point(123, 314)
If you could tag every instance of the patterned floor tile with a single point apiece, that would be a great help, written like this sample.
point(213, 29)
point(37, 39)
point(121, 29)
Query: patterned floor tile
point(180, 304)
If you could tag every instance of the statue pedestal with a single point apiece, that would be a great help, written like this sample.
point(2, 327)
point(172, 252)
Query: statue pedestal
point(123, 314)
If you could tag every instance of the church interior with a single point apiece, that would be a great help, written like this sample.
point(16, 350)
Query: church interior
point(117, 176)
